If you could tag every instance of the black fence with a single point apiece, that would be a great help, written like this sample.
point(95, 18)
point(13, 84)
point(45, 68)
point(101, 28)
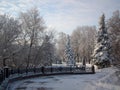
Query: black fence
point(1, 76)
point(7, 72)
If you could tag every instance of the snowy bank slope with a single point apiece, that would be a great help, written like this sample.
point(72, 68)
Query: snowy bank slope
point(102, 80)
point(107, 79)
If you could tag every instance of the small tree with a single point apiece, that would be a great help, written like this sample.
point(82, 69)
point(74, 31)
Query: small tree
point(69, 53)
point(101, 55)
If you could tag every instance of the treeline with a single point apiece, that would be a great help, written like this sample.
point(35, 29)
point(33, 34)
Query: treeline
point(83, 41)
point(25, 41)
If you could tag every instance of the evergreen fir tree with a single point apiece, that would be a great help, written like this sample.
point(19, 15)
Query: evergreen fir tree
point(101, 55)
point(69, 53)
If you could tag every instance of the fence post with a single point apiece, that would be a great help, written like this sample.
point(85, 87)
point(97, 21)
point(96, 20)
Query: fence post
point(11, 71)
point(26, 70)
point(18, 70)
point(6, 72)
point(42, 69)
point(93, 69)
point(2, 75)
point(51, 69)
point(60, 69)
point(34, 69)
point(70, 68)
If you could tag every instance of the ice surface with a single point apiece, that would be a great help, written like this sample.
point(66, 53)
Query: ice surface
point(99, 81)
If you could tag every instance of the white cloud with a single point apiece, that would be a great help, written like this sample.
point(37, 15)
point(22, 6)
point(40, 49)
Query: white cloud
point(64, 15)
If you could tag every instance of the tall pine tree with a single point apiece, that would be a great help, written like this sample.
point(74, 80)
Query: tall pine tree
point(101, 54)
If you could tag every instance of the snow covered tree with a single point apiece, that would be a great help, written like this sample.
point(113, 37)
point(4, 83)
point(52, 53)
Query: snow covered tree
point(113, 25)
point(82, 42)
point(101, 55)
point(61, 43)
point(47, 52)
point(69, 53)
point(9, 32)
point(32, 27)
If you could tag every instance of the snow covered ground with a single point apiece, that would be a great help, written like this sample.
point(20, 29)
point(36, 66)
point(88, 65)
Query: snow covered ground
point(105, 79)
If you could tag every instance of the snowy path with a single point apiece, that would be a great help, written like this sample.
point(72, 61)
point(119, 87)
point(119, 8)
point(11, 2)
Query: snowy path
point(69, 82)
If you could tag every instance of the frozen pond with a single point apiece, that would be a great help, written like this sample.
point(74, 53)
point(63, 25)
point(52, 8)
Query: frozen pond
point(66, 82)
point(61, 82)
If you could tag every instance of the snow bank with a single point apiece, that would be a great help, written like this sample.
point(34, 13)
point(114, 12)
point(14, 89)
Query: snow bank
point(108, 80)
point(113, 76)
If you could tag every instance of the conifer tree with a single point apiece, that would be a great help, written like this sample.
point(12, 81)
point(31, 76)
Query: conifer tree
point(69, 53)
point(101, 54)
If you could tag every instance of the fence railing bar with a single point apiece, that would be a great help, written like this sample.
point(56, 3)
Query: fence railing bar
point(6, 72)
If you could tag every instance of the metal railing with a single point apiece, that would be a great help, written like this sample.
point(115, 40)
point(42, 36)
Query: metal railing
point(7, 72)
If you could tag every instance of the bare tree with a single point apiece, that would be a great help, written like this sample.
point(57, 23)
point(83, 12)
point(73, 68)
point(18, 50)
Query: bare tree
point(9, 32)
point(61, 42)
point(83, 42)
point(33, 27)
point(114, 32)
point(47, 52)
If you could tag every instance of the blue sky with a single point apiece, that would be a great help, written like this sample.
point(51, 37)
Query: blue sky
point(64, 15)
